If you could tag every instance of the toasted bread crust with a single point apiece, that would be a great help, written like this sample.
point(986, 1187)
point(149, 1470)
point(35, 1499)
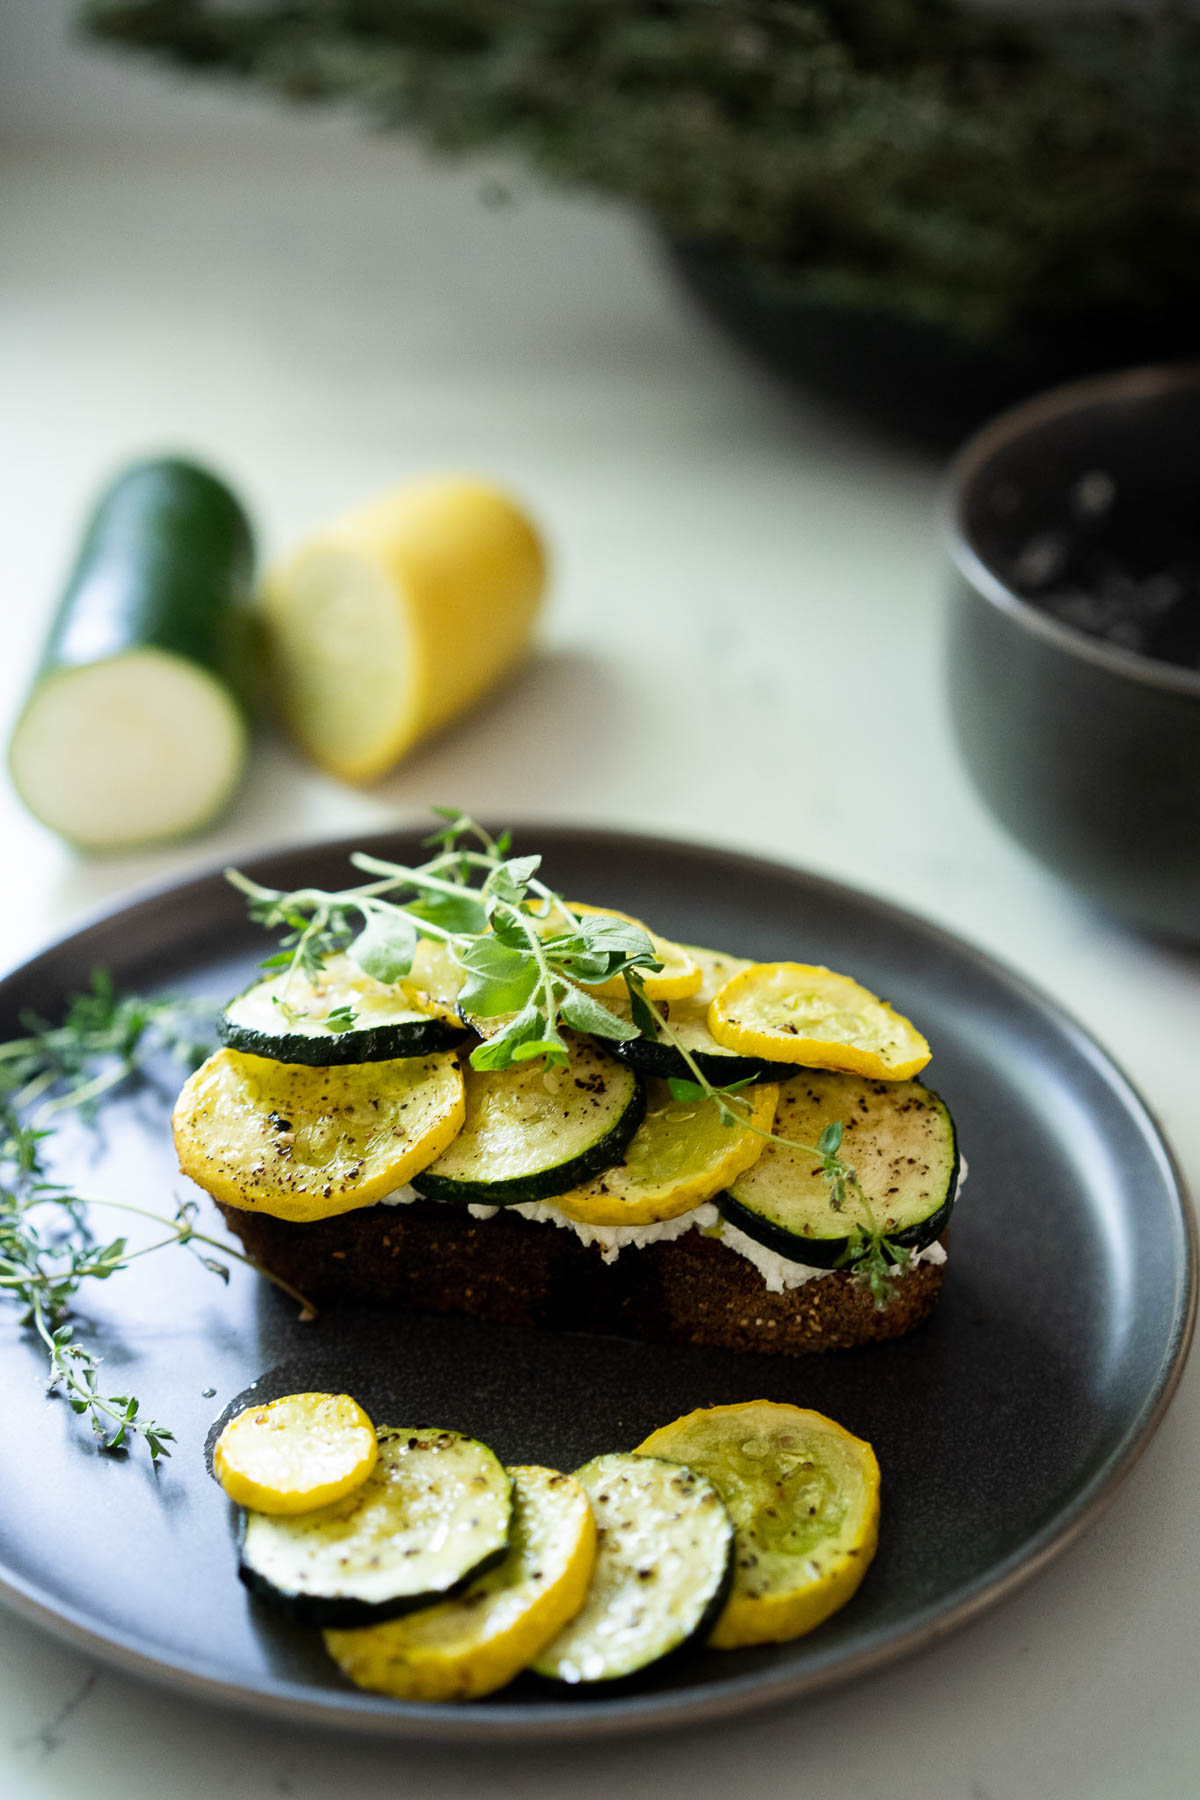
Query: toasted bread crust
point(690, 1290)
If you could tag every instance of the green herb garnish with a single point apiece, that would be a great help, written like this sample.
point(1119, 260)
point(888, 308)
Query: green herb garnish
point(526, 957)
point(48, 1248)
point(1002, 172)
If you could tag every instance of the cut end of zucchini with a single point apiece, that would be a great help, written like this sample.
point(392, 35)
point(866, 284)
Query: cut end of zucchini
point(531, 1132)
point(473, 1644)
point(898, 1136)
point(128, 751)
point(342, 665)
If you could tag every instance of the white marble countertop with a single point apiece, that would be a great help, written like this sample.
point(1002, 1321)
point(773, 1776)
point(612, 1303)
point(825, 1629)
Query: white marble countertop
point(320, 313)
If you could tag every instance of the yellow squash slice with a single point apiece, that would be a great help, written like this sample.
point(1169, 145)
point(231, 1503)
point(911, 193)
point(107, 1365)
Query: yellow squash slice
point(804, 1498)
point(804, 1013)
point(297, 1453)
point(475, 1643)
point(307, 1143)
point(679, 1157)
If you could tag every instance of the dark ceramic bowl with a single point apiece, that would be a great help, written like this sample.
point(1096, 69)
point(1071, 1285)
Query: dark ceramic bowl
point(1087, 751)
point(907, 377)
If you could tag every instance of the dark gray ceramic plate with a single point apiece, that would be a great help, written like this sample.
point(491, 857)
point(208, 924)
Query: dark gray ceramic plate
point(1002, 1426)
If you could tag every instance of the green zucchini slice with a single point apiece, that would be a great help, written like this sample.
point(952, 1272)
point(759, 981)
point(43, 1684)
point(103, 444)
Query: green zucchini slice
point(287, 1017)
point(482, 1637)
point(664, 1569)
point(434, 1513)
point(532, 1132)
point(135, 726)
point(688, 1019)
point(898, 1135)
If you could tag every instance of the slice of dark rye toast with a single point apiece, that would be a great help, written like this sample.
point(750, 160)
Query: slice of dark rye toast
point(512, 1271)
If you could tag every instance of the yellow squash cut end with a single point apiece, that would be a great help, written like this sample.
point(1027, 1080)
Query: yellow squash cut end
point(397, 617)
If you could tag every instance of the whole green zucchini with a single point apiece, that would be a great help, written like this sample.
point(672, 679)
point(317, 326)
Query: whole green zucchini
point(136, 725)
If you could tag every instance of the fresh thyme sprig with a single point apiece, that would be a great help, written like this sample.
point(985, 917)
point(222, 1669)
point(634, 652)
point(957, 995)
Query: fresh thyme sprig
point(529, 960)
point(48, 1248)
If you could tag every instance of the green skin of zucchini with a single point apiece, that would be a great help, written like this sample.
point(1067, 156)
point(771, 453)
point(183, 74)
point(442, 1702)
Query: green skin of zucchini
point(342, 1613)
point(544, 1184)
point(166, 563)
point(382, 1043)
point(826, 1253)
point(666, 1062)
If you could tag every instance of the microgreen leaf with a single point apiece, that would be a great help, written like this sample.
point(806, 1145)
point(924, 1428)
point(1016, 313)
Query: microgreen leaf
point(509, 880)
point(524, 1037)
point(458, 913)
point(830, 1140)
point(448, 833)
point(682, 1089)
point(341, 1019)
point(643, 1017)
point(493, 1053)
point(499, 979)
point(385, 947)
point(511, 929)
point(580, 960)
point(587, 1014)
point(552, 1049)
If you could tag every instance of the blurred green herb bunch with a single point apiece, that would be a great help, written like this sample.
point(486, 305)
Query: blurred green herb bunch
point(980, 170)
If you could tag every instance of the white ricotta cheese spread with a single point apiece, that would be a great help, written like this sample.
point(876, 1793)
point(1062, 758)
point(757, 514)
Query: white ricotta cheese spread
point(612, 1239)
point(779, 1273)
